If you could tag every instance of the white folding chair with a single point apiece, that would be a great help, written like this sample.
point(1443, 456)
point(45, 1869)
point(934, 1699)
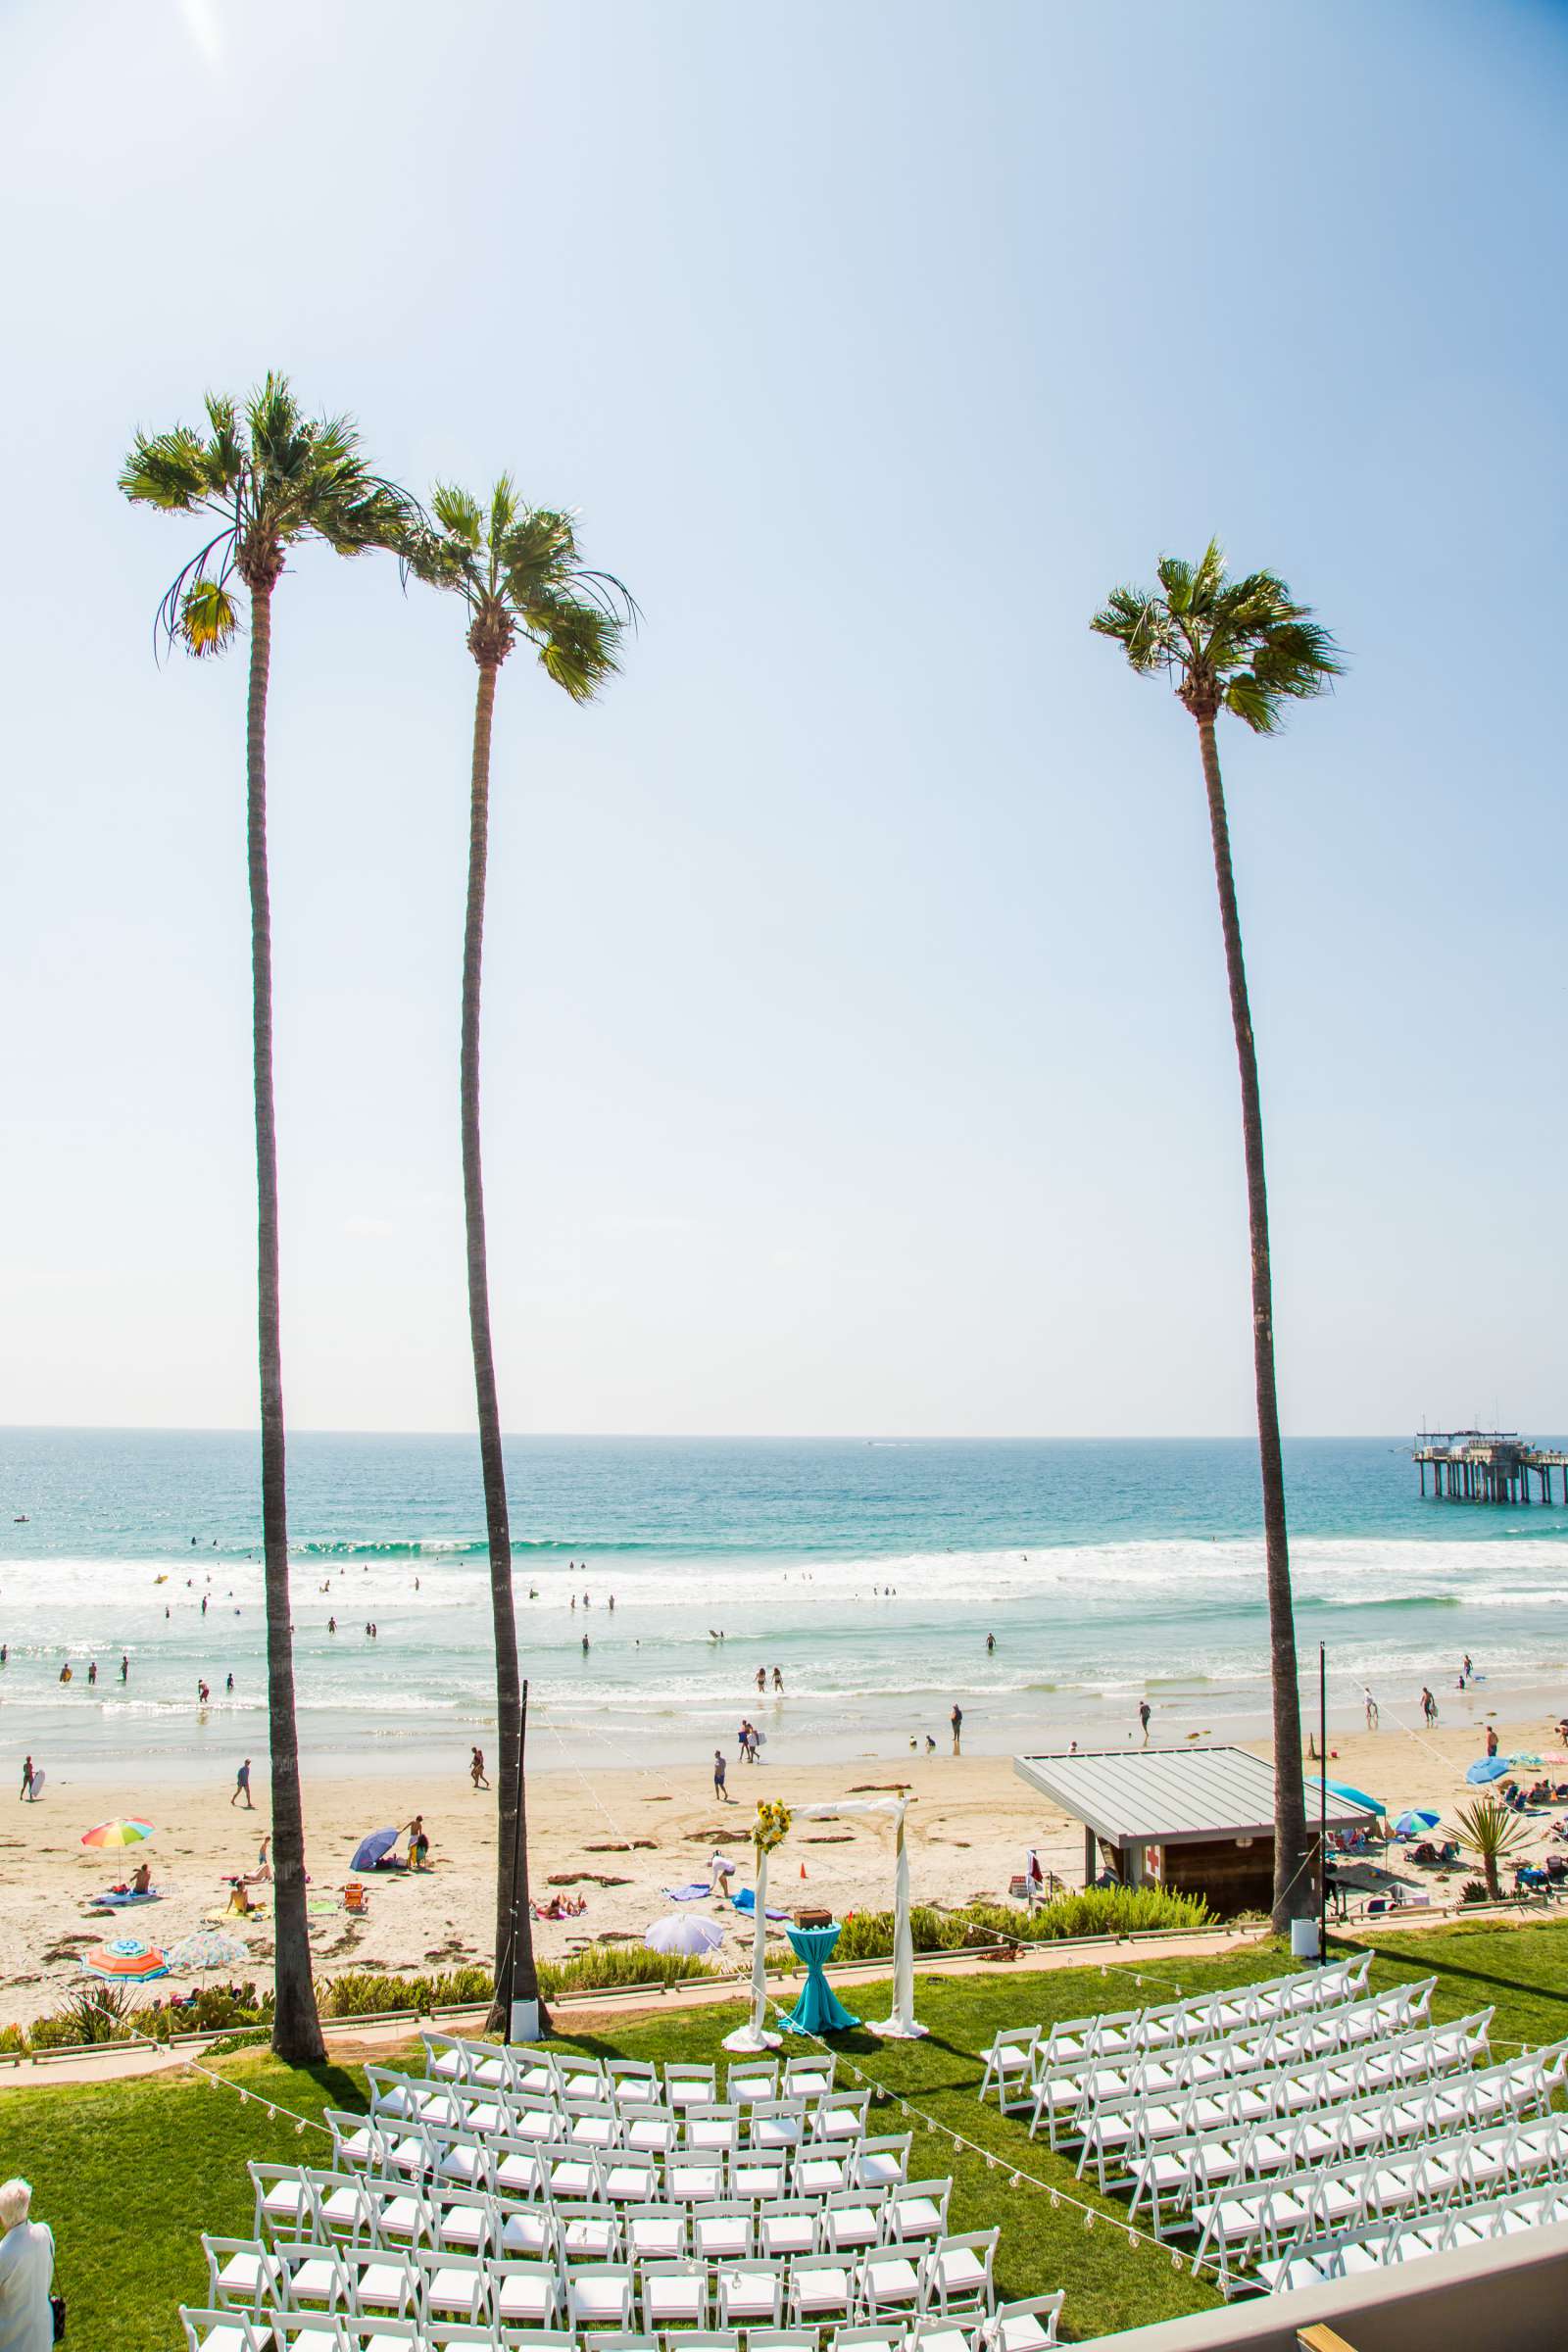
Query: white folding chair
point(590, 2233)
point(810, 2075)
point(888, 2283)
point(241, 2273)
point(786, 2227)
point(527, 2294)
point(751, 2078)
point(313, 2277)
point(674, 2294)
point(917, 2211)
point(600, 2295)
point(959, 2272)
point(687, 2086)
point(880, 2162)
point(454, 2286)
point(1009, 2065)
point(1025, 2325)
point(821, 2288)
point(286, 2201)
point(722, 2230)
point(224, 2331)
point(658, 2232)
point(852, 2220)
point(750, 2294)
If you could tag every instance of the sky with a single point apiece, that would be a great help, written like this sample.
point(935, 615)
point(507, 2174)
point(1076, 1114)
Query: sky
point(857, 1049)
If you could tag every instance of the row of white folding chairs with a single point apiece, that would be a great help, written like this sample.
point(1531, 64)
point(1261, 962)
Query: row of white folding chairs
point(1068, 2099)
point(1027, 2326)
point(1123, 2129)
point(602, 2123)
point(1315, 2260)
point(529, 2169)
point(949, 2273)
point(564, 2075)
point(1018, 2058)
point(355, 2212)
point(1171, 2178)
point(1257, 2224)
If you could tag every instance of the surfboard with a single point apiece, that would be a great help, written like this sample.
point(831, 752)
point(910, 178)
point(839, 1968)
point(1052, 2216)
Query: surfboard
point(37, 1783)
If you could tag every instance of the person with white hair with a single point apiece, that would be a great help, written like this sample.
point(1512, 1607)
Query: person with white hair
point(27, 2273)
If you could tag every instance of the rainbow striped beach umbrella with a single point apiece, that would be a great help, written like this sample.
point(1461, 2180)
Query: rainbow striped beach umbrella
point(118, 1832)
point(126, 1959)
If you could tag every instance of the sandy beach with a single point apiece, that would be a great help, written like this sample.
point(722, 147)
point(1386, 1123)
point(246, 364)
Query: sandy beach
point(619, 1837)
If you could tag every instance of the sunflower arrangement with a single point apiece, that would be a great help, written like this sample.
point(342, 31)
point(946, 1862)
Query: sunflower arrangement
point(771, 1826)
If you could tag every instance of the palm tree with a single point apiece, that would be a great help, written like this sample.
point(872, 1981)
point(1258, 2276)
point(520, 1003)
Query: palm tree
point(1493, 1834)
point(518, 571)
point(1246, 647)
point(271, 477)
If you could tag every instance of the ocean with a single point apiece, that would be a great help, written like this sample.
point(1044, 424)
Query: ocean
point(869, 1572)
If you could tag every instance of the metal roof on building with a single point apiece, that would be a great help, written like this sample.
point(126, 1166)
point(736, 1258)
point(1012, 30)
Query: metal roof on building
point(1171, 1795)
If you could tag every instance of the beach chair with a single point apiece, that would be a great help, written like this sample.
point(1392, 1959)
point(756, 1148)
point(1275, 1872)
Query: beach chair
point(1025, 2325)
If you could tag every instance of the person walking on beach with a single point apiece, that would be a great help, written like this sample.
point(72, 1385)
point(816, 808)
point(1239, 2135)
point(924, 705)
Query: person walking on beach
point(1429, 1708)
point(27, 2273)
point(719, 1770)
point(778, 1681)
point(476, 1769)
point(242, 1787)
point(92, 1672)
point(27, 1780)
point(124, 1667)
point(1371, 1712)
point(762, 1679)
point(1491, 1740)
point(1144, 1713)
point(957, 1720)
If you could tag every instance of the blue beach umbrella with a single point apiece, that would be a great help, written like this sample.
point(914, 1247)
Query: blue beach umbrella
point(1353, 1796)
point(1490, 1767)
point(1419, 1818)
point(373, 1850)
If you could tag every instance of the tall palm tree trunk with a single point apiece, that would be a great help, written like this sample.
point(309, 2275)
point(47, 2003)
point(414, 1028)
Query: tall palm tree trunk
point(517, 1975)
point(1293, 1891)
point(296, 2027)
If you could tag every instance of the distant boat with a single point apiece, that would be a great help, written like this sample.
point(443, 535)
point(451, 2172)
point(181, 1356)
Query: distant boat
point(20, 1519)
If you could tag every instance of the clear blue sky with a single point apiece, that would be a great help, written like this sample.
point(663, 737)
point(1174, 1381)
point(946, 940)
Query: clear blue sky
point(858, 1053)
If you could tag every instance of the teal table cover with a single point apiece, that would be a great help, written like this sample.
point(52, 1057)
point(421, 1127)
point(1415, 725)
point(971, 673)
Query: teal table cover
point(818, 2009)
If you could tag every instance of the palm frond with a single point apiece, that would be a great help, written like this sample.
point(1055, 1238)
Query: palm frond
point(1137, 622)
point(168, 470)
point(457, 514)
point(579, 644)
point(208, 617)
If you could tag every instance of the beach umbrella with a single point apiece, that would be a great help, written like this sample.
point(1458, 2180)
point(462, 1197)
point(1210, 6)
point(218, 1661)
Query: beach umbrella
point(207, 1948)
point(372, 1849)
point(685, 1931)
point(126, 1959)
point(118, 1832)
point(1352, 1797)
point(1489, 1767)
point(1419, 1818)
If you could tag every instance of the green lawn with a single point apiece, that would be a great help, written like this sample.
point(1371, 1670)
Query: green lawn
point(129, 2176)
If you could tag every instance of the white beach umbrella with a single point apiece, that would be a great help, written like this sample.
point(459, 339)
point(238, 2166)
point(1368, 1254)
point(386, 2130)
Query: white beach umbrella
point(684, 1932)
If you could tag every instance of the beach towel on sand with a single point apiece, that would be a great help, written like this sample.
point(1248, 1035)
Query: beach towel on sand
point(688, 1895)
point(746, 1901)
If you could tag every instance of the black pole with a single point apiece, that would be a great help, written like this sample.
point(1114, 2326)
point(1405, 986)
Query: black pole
point(1323, 1805)
point(516, 1864)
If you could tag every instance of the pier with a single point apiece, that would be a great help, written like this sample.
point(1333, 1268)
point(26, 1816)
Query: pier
point(1487, 1465)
